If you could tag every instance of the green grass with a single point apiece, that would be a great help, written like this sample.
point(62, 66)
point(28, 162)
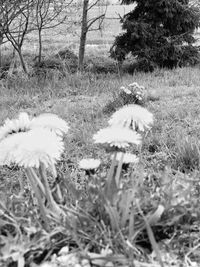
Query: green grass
point(168, 173)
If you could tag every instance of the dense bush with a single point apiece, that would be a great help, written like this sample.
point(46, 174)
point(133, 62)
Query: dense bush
point(69, 58)
point(64, 61)
point(158, 33)
point(99, 64)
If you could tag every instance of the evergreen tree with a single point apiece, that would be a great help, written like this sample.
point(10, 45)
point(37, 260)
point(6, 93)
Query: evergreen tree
point(158, 33)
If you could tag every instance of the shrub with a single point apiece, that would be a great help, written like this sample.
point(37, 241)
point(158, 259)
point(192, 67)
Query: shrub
point(69, 58)
point(64, 61)
point(47, 66)
point(190, 56)
point(158, 33)
point(49, 63)
point(101, 65)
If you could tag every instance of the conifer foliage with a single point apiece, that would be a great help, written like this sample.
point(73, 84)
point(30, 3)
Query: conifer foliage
point(158, 33)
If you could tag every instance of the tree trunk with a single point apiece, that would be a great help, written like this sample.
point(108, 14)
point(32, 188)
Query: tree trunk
point(22, 61)
point(84, 30)
point(40, 45)
point(1, 42)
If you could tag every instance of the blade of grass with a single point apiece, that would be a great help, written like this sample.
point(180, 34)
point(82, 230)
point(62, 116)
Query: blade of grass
point(131, 224)
point(151, 236)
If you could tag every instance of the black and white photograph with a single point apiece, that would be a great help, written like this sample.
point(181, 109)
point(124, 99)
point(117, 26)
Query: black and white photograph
point(99, 133)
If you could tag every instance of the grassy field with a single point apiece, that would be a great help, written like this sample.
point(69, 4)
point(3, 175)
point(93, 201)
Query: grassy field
point(167, 175)
point(153, 219)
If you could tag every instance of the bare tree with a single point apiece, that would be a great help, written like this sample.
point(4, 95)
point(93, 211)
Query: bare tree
point(20, 17)
point(50, 14)
point(16, 20)
point(87, 25)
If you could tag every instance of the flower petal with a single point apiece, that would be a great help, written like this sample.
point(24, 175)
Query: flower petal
point(51, 122)
point(117, 136)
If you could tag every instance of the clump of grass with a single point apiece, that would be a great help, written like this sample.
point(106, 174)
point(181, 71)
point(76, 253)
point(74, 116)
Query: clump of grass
point(187, 154)
point(100, 65)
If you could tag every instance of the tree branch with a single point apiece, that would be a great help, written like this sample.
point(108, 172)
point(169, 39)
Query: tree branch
point(92, 21)
point(92, 5)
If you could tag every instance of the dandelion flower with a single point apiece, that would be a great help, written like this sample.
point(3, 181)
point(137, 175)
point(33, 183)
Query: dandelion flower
point(8, 146)
point(132, 116)
point(39, 146)
point(89, 164)
point(127, 158)
point(22, 124)
point(117, 136)
point(51, 122)
point(125, 90)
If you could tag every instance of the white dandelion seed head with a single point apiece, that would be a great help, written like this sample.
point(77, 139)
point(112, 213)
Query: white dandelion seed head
point(132, 116)
point(22, 124)
point(51, 122)
point(39, 146)
point(8, 146)
point(89, 164)
point(117, 136)
point(127, 157)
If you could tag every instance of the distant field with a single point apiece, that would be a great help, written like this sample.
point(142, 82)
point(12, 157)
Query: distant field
point(61, 36)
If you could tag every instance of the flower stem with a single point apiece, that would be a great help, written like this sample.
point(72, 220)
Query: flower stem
point(119, 168)
point(38, 196)
point(110, 186)
point(53, 205)
point(36, 178)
